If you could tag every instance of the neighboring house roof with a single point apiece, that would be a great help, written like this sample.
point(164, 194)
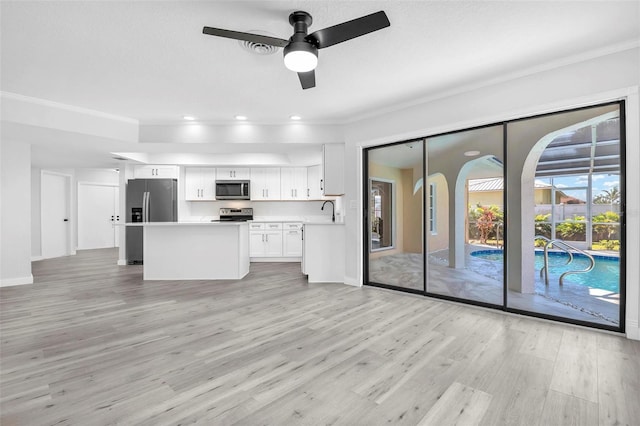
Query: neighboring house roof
point(496, 184)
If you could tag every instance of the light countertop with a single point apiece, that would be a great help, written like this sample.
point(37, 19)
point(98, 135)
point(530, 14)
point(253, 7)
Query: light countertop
point(183, 224)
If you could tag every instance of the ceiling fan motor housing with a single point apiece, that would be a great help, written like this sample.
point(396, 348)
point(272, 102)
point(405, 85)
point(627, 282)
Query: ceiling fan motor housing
point(299, 42)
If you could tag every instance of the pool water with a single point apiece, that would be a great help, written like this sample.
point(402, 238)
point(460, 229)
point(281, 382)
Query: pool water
point(605, 274)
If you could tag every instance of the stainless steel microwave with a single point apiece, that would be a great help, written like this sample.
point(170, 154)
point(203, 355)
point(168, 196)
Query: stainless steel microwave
point(232, 190)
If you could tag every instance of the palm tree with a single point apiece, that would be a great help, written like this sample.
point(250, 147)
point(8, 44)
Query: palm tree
point(608, 196)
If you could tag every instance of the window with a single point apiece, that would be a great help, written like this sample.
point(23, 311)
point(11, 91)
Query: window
point(381, 214)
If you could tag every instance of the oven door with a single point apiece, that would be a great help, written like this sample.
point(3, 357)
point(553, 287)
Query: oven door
point(232, 190)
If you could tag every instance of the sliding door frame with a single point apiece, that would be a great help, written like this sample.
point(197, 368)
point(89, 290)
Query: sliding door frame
point(504, 307)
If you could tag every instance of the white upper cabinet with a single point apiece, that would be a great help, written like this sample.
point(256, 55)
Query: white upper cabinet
point(265, 183)
point(333, 169)
point(155, 172)
point(314, 182)
point(293, 183)
point(199, 183)
point(233, 173)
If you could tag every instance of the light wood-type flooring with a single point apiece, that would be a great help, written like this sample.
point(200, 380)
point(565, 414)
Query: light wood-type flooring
point(91, 343)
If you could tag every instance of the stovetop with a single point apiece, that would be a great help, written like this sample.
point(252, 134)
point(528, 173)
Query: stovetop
point(235, 215)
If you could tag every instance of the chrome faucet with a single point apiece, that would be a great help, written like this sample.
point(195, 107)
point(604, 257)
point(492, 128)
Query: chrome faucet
point(333, 209)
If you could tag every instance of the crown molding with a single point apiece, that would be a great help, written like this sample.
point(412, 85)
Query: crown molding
point(66, 107)
point(570, 60)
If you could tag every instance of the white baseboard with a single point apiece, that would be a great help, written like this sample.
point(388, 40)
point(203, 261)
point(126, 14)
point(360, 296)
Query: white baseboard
point(36, 258)
point(122, 262)
point(6, 282)
point(632, 330)
point(352, 281)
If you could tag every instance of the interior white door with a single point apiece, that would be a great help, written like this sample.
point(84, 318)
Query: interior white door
point(54, 205)
point(97, 215)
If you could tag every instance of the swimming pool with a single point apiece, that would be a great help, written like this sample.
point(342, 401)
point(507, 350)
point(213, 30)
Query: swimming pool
point(605, 274)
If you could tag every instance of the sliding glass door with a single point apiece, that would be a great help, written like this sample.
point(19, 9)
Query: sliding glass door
point(525, 216)
point(465, 239)
point(393, 232)
point(565, 207)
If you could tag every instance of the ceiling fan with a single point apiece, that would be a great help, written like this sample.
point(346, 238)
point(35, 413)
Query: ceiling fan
point(301, 50)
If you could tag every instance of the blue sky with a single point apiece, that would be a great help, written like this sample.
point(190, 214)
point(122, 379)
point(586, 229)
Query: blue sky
point(600, 183)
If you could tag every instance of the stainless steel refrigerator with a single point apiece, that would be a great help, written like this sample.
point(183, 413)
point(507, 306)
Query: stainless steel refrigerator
point(148, 200)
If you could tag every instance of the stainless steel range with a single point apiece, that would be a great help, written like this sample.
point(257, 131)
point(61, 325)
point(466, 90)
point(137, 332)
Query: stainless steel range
point(235, 215)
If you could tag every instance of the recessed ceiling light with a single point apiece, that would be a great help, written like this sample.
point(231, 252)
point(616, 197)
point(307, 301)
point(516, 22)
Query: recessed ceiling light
point(471, 153)
point(241, 117)
point(295, 117)
point(188, 117)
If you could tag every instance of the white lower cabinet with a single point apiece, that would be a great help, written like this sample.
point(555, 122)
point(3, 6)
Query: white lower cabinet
point(274, 241)
point(292, 240)
point(265, 244)
point(265, 240)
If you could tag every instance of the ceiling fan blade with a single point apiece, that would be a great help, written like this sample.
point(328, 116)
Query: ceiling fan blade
point(350, 29)
point(237, 35)
point(307, 79)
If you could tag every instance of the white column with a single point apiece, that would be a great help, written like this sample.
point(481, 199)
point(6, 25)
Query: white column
point(15, 213)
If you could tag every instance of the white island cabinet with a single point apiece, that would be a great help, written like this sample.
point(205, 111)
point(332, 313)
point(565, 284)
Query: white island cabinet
point(323, 251)
point(195, 250)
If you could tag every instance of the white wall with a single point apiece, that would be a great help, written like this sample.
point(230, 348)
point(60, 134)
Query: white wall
point(611, 77)
point(15, 213)
point(103, 176)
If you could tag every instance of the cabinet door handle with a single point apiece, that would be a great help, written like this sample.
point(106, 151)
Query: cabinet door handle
point(296, 191)
point(267, 192)
point(308, 193)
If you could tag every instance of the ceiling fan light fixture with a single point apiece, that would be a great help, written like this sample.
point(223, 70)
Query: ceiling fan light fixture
point(300, 57)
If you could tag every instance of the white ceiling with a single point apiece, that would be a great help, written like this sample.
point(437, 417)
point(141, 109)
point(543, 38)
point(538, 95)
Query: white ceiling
point(148, 60)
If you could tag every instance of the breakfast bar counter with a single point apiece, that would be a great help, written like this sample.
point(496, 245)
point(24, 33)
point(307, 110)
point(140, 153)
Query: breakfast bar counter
point(195, 250)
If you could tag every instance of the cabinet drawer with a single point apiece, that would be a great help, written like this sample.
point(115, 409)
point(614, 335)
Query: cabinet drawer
point(273, 226)
point(292, 226)
point(256, 226)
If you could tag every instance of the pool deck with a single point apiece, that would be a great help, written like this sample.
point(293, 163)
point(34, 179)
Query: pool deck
point(578, 301)
point(481, 280)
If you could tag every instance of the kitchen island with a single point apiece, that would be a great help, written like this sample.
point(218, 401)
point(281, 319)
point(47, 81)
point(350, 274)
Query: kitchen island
point(195, 250)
